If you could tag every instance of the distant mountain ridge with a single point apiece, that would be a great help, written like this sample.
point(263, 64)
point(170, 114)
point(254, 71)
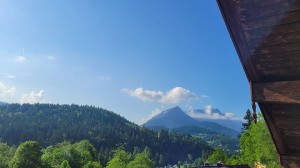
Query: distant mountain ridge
point(2, 103)
point(175, 117)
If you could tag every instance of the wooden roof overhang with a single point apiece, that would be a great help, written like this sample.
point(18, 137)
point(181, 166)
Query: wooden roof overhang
point(266, 35)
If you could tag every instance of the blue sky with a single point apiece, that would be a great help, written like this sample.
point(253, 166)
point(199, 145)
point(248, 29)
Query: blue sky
point(133, 57)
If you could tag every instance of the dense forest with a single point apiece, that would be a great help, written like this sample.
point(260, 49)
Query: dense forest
point(50, 124)
point(215, 139)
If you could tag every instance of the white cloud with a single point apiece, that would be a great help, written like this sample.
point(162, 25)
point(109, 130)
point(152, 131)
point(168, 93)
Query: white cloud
point(6, 92)
point(209, 113)
point(32, 97)
point(153, 113)
point(51, 58)
point(175, 95)
point(20, 59)
point(6, 75)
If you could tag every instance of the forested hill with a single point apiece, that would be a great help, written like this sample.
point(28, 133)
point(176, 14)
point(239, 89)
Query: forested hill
point(50, 124)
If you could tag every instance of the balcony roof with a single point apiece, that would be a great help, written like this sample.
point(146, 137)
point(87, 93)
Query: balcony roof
point(266, 35)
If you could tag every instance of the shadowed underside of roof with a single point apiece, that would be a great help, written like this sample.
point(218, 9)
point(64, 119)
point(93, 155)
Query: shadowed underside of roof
point(266, 35)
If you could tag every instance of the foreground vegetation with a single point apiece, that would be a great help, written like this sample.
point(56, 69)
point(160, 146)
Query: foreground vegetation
point(50, 125)
point(30, 154)
point(256, 145)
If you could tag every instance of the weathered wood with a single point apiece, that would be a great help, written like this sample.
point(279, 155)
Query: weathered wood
point(275, 20)
point(280, 74)
point(266, 35)
point(278, 30)
point(274, 40)
point(290, 161)
point(257, 3)
point(280, 57)
point(250, 12)
point(233, 25)
point(277, 92)
point(280, 48)
point(271, 65)
point(289, 131)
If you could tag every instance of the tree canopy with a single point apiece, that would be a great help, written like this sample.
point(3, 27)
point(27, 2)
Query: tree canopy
point(28, 155)
point(50, 124)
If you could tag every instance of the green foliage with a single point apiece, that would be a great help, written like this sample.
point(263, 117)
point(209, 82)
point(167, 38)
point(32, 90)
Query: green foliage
point(121, 159)
point(28, 155)
point(76, 155)
point(142, 160)
point(50, 124)
point(65, 164)
point(257, 145)
point(248, 120)
point(6, 154)
point(92, 165)
point(234, 160)
point(217, 156)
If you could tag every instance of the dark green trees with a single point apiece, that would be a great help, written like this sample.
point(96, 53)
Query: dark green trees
point(28, 155)
point(50, 124)
point(248, 120)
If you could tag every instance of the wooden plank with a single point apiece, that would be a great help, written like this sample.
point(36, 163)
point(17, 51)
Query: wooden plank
point(290, 161)
point(257, 3)
point(250, 13)
point(274, 40)
point(278, 30)
point(285, 56)
point(228, 10)
point(271, 65)
point(280, 74)
point(275, 20)
point(277, 92)
point(280, 48)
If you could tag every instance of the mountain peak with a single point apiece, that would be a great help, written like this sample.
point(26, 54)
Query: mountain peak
point(171, 118)
point(175, 117)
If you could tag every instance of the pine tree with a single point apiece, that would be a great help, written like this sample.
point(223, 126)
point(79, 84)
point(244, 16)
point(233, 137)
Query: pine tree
point(248, 120)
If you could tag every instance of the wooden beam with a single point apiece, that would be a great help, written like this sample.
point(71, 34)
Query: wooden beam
point(250, 11)
point(277, 92)
point(290, 161)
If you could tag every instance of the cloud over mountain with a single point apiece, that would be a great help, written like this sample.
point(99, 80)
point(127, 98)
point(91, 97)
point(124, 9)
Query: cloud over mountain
point(175, 95)
point(32, 97)
point(212, 113)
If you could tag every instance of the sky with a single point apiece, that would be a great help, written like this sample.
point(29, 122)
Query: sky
point(135, 58)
